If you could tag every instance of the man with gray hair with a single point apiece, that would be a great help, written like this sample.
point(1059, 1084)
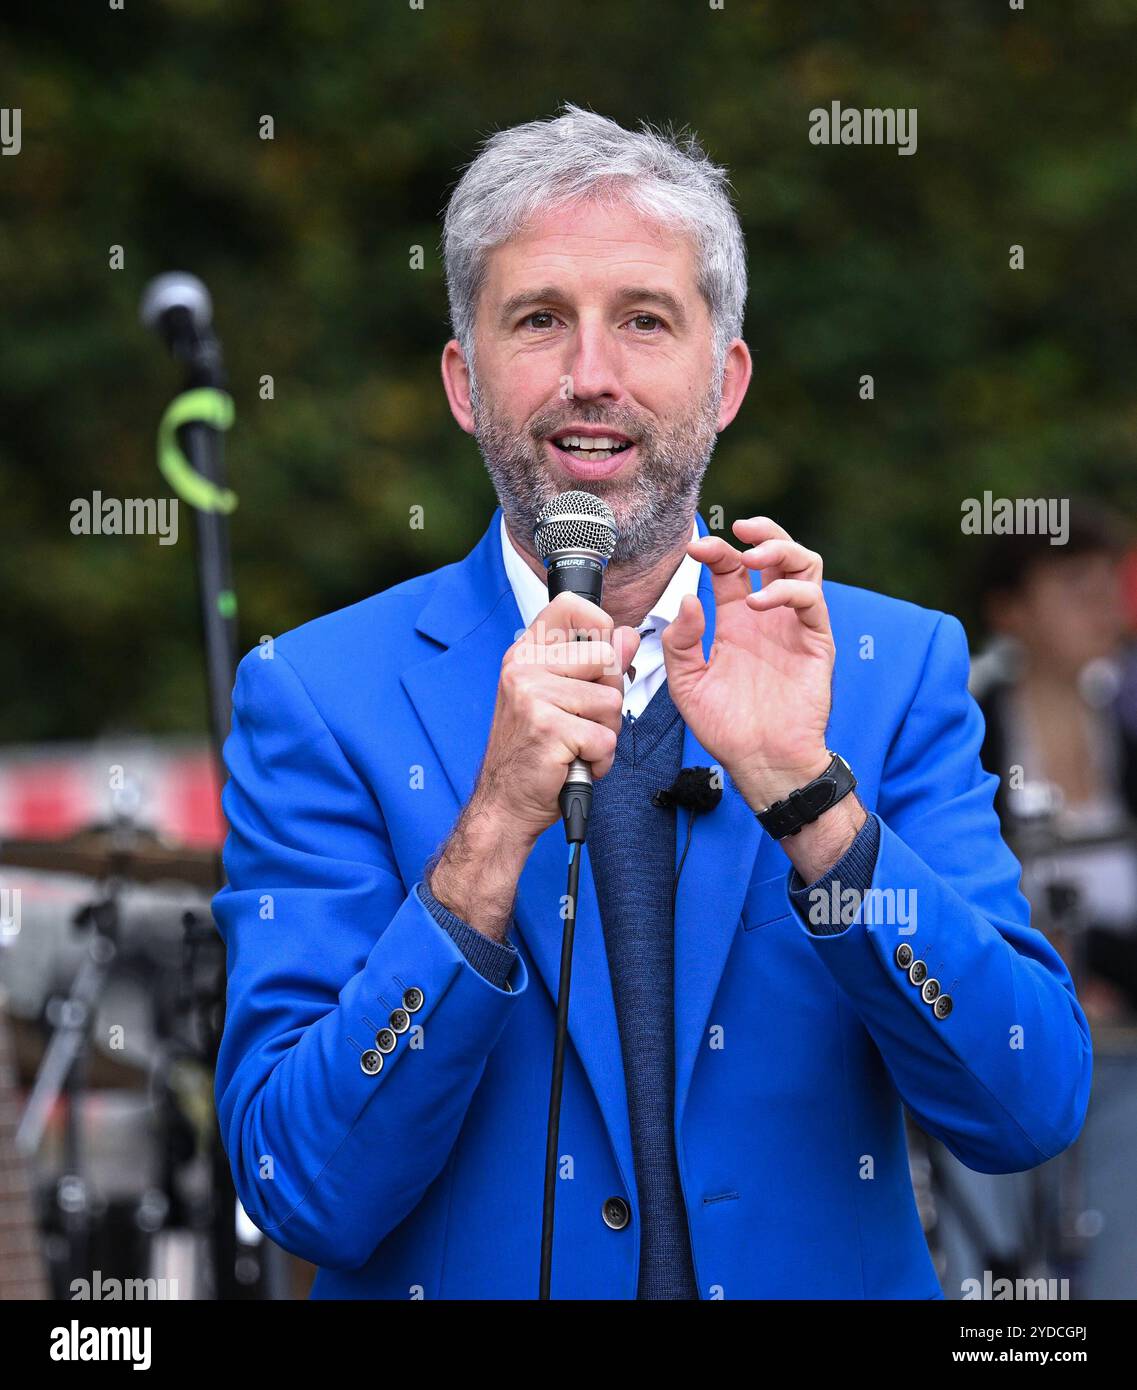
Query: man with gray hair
point(739, 1056)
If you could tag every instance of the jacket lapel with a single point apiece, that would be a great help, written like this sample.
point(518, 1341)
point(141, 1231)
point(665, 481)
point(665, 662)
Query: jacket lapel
point(474, 614)
point(712, 887)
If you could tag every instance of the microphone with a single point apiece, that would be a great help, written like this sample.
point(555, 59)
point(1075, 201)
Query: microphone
point(575, 535)
point(693, 789)
point(177, 306)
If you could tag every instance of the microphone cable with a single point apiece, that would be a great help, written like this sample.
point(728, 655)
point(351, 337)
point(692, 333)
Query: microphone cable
point(552, 1136)
point(696, 791)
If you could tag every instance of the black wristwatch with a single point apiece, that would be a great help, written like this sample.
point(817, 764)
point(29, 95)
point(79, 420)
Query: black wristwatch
point(801, 807)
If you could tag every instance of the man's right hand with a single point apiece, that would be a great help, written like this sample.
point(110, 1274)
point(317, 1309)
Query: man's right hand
point(557, 699)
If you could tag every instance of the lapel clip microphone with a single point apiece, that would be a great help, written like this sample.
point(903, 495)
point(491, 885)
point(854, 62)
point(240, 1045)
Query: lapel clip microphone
point(694, 789)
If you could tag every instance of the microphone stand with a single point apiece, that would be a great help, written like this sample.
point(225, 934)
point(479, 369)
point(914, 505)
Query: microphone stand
point(202, 484)
point(203, 447)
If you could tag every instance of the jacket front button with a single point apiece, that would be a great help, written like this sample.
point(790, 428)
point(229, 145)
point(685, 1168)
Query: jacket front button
point(412, 999)
point(616, 1213)
point(400, 1020)
point(371, 1062)
point(904, 955)
point(943, 1006)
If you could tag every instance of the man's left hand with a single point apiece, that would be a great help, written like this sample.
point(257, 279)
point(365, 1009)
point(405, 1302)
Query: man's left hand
point(760, 705)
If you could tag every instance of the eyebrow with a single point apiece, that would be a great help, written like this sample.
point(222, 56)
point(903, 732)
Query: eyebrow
point(552, 294)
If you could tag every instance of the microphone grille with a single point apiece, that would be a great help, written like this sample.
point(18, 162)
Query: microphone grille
point(575, 521)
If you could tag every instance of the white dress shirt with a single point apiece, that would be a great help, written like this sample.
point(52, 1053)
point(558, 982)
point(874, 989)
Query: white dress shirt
point(650, 673)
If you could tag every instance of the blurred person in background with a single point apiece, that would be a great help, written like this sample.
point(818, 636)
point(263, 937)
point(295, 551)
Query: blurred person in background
point(1058, 690)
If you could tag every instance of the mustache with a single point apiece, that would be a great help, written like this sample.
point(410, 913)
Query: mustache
point(621, 422)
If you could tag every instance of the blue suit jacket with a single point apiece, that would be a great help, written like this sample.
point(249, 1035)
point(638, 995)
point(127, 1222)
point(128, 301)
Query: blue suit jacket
point(356, 740)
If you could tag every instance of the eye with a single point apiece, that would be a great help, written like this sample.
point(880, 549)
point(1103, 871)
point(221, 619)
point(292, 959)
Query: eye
point(651, 321)
point(546, 314)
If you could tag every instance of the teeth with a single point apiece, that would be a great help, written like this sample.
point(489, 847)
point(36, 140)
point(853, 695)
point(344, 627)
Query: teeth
point(599, 444)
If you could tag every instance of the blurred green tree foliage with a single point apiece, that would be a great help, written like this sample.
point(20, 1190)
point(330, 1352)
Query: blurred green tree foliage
point(141, 128)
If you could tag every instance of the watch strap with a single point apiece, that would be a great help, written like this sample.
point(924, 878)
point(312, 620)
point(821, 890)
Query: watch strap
point(806, 804)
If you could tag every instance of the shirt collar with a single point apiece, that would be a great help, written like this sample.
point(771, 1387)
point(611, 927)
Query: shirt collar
point(532, 595)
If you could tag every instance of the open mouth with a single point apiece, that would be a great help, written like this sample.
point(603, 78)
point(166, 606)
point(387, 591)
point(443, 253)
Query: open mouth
point(591, 449)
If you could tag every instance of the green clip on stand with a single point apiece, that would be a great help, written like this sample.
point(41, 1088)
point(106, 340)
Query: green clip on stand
point(204, 405)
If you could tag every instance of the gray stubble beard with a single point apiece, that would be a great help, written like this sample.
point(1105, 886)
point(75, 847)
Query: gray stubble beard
point(654, 507)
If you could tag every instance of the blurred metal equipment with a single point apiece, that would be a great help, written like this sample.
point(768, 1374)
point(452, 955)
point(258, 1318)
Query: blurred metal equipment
point(102, 851)
point(130, 1190)
point(22, 1273)
point(62, 1073)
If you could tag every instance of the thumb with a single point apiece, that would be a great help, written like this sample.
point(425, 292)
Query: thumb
point(682, 640)
point(626, 642)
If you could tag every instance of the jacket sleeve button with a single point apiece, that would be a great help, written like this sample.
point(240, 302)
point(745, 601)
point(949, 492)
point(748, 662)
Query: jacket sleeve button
point(400, 1020)
point(616, 1213)
point(371, 1062)
point(943, 1006)
point(413, 999)
point(903, 955)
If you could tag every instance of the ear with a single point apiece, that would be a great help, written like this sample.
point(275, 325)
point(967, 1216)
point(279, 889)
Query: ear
point(737, 369)
point(456, 383)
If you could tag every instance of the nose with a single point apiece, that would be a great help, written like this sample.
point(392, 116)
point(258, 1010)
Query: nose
point(594, 362)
